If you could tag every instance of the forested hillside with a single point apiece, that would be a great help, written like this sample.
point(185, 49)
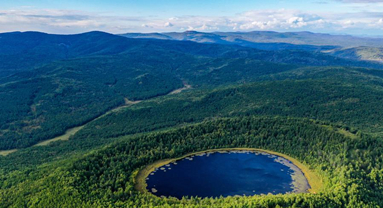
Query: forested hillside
point(83, 76)
point(360, 53)
point(327, 99)
point(142, 100)
point(349, 167)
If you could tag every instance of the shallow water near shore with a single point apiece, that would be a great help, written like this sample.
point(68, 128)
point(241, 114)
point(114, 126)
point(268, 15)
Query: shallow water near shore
point(227, 173)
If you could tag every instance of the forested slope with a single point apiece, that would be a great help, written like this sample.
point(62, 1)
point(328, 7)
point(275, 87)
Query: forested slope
point(341, 96)
point(324, 111)
point(350, 168)
point(68, 80)
point(329, 95)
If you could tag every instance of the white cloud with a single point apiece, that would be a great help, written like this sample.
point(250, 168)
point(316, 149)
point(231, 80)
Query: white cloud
point(168, 24)
point(347, 23)
point(276, 20)
point(64, 21)
point(206, 27)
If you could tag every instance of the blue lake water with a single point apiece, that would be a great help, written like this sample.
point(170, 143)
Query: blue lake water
point(227, 174)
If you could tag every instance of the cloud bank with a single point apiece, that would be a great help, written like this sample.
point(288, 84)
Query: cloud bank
point(72, 21)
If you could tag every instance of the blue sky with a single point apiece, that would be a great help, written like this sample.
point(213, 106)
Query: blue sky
point(173, 7)
point(359, 17)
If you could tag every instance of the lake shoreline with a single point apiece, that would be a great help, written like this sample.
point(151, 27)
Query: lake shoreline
point(314, 181)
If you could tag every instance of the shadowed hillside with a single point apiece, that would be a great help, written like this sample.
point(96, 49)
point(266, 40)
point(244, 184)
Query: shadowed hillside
point(54, 82)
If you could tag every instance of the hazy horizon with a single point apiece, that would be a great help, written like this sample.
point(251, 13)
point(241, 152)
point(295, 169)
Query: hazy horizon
point(159, 32)
point(352, 17)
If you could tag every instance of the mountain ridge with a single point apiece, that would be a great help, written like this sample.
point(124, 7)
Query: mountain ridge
point(297, 38)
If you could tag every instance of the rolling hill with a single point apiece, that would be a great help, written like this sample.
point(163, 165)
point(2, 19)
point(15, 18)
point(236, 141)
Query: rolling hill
point(268, 39)
point(342, 46)
point(151, 97)
point(359, 53)
point(52, 78)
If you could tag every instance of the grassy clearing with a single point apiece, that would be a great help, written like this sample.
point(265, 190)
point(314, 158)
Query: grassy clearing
point(341, 131)
point(180, 90)
point(314, 180)
point(7, 152)
point(64, 137)
point(347, 133)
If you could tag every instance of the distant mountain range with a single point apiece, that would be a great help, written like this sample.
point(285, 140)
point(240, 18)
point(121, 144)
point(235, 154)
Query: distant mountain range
point(368, 49)
point(296, 38)
point(25, 50)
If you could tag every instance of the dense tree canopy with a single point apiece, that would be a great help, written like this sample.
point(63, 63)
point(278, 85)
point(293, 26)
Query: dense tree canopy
point(314, 107)
point(350, 168)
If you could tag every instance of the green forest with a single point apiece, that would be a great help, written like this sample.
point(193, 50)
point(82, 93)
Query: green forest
point(125, 94)
point(350, 167)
